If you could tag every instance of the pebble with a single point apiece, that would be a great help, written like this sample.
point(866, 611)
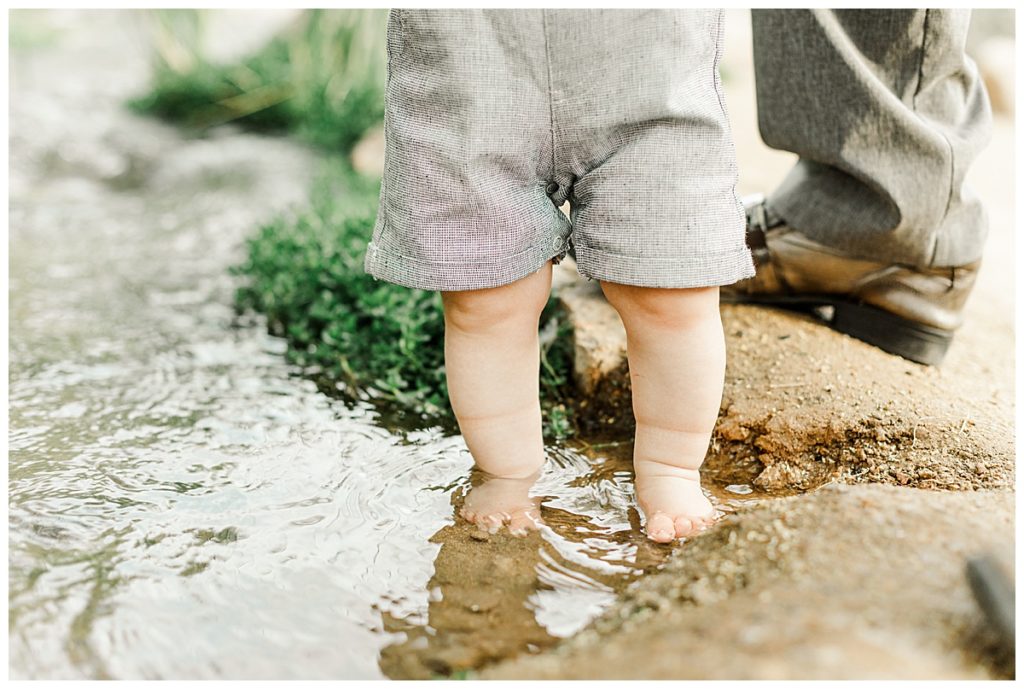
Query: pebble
point(739, 489)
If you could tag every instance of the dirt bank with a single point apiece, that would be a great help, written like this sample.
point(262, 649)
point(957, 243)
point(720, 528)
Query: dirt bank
point(849, 582)
point(804, 405)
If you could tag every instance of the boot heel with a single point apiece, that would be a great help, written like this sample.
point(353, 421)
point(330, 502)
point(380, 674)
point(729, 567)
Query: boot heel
point(920, 343)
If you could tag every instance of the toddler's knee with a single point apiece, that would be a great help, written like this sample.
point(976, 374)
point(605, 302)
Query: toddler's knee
point(487, 310)
point(512, 307)
point(672, 308)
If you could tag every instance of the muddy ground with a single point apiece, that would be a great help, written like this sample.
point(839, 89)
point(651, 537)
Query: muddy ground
point(850, 582)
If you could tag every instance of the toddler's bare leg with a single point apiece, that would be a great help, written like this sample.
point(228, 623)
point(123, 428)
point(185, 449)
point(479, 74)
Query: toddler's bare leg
point(492, 360)
point(677, 369)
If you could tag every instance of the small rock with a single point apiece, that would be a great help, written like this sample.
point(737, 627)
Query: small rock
point(649, 599)
point(731, 429)
point(739, 489)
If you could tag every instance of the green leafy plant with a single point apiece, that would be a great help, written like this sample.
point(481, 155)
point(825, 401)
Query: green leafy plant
point(305, 273)
point(322, 78)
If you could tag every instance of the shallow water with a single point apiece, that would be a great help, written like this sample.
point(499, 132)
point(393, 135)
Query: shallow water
point(183, 504)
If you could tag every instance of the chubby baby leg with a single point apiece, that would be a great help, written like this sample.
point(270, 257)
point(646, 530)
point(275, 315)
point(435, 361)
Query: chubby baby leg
point(492, 361)
point(676, 351)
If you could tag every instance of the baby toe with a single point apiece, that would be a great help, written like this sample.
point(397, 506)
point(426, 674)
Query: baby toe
point(660, 528)
point(521, 523)
point(684, 526)
point(492, 522)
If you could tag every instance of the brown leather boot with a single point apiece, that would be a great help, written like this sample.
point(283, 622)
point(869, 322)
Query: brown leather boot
point(912, 312)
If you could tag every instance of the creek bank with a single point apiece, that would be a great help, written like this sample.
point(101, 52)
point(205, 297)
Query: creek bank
point(804, 405)
point(847, 582)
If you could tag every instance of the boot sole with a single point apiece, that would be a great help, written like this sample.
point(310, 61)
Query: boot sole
point(917, 342)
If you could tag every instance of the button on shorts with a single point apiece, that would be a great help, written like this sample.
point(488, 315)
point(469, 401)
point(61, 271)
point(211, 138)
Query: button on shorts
point(494, 118)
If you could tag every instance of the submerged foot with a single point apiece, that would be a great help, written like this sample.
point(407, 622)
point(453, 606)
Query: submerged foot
point(673, 503)
point(498, 501)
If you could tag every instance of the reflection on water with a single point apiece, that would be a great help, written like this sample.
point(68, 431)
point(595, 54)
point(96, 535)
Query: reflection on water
point(493, 596)
point(183, 504)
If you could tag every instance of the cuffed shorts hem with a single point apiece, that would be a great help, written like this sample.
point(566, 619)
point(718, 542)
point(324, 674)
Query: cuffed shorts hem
point(701, 270)
point(407, 271)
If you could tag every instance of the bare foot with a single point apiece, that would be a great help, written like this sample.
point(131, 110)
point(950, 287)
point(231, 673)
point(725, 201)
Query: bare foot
point(496, 501)
point(672, 502)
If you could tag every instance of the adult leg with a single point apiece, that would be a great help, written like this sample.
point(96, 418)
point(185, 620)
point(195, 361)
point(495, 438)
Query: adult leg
point(886, 112)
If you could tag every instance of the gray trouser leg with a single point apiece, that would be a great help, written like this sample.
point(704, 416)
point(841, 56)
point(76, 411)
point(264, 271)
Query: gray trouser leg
point(886, 112)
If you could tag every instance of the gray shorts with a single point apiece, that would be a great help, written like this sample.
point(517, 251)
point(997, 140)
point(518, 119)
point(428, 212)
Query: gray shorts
point(494, 118)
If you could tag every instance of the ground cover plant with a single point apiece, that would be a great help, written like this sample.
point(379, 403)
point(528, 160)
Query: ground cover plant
point(321, 78)
point(305, 273)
